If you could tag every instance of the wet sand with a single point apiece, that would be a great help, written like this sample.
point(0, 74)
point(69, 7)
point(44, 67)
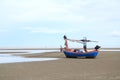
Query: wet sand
point(106, 66)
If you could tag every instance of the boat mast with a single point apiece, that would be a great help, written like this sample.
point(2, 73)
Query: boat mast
point(84, 42)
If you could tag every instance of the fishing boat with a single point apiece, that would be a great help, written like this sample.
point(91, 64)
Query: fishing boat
point(91, 54)
point(77, 53)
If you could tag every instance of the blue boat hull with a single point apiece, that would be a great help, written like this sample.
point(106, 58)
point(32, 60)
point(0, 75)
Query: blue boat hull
point(91, 54)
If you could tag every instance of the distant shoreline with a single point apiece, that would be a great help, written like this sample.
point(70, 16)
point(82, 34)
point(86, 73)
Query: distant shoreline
point(50, 48)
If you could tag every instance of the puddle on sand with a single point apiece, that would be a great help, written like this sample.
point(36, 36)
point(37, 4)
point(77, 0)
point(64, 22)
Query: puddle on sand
point(8, 58)
point(26, 51)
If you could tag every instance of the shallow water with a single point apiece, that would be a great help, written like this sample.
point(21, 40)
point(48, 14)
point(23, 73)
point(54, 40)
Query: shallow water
point(26, 51)
point(8, 58)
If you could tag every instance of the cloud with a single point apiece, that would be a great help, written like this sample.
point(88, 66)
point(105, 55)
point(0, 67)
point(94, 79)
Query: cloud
point(115, 34)
point(49, 30)
point(45, 10)
point(81, 13)
point(3, 30)
point(58, 10)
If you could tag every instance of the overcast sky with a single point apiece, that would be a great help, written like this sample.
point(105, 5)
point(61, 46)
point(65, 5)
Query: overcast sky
point(42, 23)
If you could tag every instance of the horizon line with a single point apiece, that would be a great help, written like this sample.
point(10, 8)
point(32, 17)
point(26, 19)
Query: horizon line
point(52, 48)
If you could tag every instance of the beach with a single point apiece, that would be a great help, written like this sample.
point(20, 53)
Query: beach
point(106, 66)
